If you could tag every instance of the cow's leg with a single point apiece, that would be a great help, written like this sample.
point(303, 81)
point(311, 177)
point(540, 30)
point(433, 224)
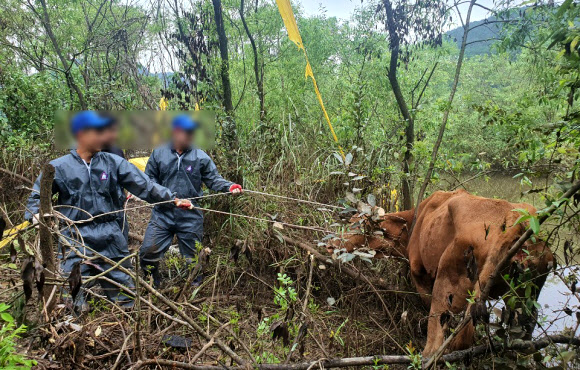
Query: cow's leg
point(423, 282)
point(450, 293)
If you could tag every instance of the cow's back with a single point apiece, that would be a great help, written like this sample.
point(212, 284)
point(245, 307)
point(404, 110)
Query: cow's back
point(451, 217)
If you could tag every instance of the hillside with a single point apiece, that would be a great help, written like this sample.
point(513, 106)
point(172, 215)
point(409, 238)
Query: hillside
point(482, 36)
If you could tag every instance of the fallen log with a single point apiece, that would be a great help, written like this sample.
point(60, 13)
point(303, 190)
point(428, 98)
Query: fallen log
point(375, 360)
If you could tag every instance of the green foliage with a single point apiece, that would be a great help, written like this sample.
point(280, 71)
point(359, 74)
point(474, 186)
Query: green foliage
point(414, 356)
point(9, 333)
point(335, 334)
point(285, 293)
point(27, 105)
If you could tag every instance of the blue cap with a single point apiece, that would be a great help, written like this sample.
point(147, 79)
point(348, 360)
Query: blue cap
point(86, 120)
point(184, 122)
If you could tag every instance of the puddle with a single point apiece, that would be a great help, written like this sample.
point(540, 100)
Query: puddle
point(554, 298)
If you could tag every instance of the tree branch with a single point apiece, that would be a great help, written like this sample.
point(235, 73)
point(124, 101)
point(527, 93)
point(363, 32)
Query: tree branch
point(374, 360)
point(427, 179)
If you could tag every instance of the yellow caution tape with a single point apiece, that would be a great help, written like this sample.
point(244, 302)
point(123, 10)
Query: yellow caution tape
point(140, 162)
point(10, 234)
point(394, 196)
point(290, 22)
point(163, 104)
point(287, 14)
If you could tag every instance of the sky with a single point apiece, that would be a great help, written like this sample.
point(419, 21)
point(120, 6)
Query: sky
point(343, 9)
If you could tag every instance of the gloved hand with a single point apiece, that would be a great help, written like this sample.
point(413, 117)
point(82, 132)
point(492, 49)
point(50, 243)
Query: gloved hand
point(35, 220)
point(183, 203)
point(236, 189)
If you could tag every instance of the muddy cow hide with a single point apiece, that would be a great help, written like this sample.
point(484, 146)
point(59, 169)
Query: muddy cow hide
point(457, 241)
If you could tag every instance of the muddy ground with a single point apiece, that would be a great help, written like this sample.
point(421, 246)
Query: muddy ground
point(259, 297)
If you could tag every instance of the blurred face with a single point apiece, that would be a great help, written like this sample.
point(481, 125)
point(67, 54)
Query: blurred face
point(181, 139)
point(110, 135)
point(91, 140)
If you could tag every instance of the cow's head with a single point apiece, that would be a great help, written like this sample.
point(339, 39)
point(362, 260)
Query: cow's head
point(386, 234)
point(533, 261)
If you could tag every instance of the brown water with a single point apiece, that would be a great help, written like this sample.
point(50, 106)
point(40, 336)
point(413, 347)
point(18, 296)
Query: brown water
point(555, 295)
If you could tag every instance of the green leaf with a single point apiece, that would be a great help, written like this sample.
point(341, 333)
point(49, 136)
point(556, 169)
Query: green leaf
point(564, 7)
point(348, 159)
point(535, 225)
point(522, 219)
point(6, 317)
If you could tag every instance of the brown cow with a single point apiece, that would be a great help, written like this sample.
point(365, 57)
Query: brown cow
point(451, 229)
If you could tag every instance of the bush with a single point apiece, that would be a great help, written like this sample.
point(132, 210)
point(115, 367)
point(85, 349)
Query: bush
point(9, 357)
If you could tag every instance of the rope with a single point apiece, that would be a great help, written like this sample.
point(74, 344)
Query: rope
point(292, 199)
point(147, 205)
point(319, 229)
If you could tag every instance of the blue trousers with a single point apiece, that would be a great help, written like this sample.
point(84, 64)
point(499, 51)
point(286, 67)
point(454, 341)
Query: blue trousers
point(186, 225)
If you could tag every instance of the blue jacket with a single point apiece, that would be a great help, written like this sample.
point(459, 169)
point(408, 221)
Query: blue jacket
point(185, 173)
point(95, 189)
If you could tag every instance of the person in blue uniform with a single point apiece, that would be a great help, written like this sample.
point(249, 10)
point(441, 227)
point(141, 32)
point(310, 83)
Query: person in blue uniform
point(88, 183)
point(181, 167)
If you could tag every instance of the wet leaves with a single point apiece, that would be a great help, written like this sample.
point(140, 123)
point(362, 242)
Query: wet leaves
point(75, 280)
point(28, 277)
point(32, 275)
point(280, 331)
point(302, 332)
point(240, 247)
point(13, 253)
point(371, 200)
point(176, 341)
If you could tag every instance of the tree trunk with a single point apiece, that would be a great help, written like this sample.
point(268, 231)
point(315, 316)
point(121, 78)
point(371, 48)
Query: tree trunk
point(45, 20)
point(45, 232)
point(229, 134)
point(258, 73)
point(223, 44)
point(401, 102)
